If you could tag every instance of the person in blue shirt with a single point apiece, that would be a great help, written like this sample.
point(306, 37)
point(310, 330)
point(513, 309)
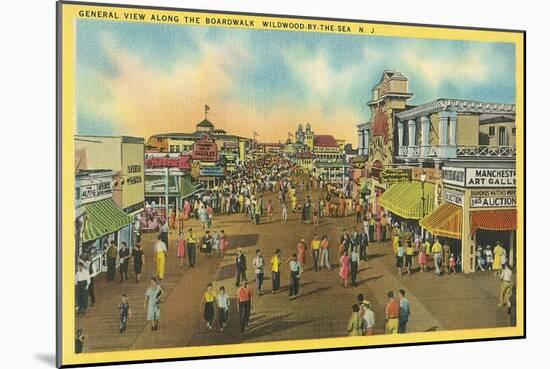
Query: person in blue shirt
point(404, 312)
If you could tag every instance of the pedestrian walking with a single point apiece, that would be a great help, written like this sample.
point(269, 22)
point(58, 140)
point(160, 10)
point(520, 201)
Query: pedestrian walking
point(191, 242)
point(344, 269)
point(368, 319)
point(325, 263)
point(399, 254)
point(276, 271)
point(138, 260)
point(505, 286)
point(207, 305)
point(480, 259)
point(437, 251)
point(79, 341)
point(160, 251)
point(354, 264)
point(499, 254)
point(224, 242)
point(284, 212)
point(153, 299)
point(409, 253)
point(422, 258)
point(244, 298)
point(315, 251)
point(453, 262)
point(355, 323)
point(295, 274)
point(301, 248)
point(112, 253)
point(392, 314)
point(404, 312)
point(124, 312)
point(258, 263)
point(363, 245)
point(181, 248)
point(163, 232)
point(222, 300)
point(206, 244)
point(269, 211)
point(82, 282)
point(123, 261)
point(240, 262)
point(489, 257)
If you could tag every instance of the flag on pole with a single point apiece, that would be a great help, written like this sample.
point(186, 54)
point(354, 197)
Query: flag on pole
point(206, 108)
point(256, 133)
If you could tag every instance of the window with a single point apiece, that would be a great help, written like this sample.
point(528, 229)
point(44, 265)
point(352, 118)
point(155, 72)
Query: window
point(514, 131)
point(491, 130)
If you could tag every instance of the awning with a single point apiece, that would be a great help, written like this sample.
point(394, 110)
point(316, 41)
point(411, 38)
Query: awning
point(188, 188)
point(102, 218)
point(445, 221)
point(405, 199)
point(493, 220)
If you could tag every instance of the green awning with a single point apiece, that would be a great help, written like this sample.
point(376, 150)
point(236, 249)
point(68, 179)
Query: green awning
point(102, 218)
point(405, 199)
point(188, 188)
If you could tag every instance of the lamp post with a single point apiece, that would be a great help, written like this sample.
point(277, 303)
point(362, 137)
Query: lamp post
point(422, 181)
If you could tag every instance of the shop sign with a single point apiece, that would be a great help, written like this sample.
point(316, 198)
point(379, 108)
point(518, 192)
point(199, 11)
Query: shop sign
point(454, 176)
point(205, 150)
point(161, 161)
point(454, 197)
point(96, 191)
point(432, 175)
point(212, 171)
point(490, 177)
point(134, 174)
point(493, 198)
point(396, 175)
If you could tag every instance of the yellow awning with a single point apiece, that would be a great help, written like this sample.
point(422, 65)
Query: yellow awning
point(405, 199)
point(445, 221)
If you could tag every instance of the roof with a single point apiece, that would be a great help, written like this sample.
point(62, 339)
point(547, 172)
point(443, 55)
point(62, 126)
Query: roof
point(325, 141)
point(496, 118)
point(458, 105)
point(205, 123)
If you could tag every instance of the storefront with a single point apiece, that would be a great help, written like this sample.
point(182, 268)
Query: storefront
point(478, 210)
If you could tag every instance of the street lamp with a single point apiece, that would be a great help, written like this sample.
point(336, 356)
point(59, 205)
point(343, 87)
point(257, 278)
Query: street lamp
point(422, 181)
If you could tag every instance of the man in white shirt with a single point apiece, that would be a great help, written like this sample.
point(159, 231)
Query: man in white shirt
point(505, 286)
point(82, 282)
point(368, 317)
point(258, 263)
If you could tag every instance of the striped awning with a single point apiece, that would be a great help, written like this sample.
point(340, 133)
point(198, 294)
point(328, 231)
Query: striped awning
point(405, 199)
point(445, 221)
point(493, 220)
point(102, 218)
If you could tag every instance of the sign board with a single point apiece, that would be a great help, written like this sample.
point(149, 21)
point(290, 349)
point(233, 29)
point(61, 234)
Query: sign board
point(396, 175)
point(205, 150)
point(493, 198)
point(454, 197)
point(177, 163)
point(432, 175)
point(454, 176)
point(490, 177)
point(95, 191)
point(212, 171)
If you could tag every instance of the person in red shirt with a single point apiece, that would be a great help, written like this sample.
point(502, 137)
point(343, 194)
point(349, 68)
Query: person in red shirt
point(244, 299)
point(392, 314)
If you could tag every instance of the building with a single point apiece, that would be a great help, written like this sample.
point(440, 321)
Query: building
point(124, 155)
point(449, 129)
point(304, 159)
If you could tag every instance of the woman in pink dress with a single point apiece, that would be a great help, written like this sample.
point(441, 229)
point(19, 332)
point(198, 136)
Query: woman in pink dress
point(422, 258)
point(181, 248)
point(344, 269)
point(224, 242)
point(302, 252)
point(186, 209)
point(378, 230)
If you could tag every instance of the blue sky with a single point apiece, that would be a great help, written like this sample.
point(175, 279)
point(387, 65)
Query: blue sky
point(141, 79)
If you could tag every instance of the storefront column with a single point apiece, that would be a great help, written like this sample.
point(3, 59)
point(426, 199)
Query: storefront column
point(425, 126)
point(452, 128)
point(511, 253)
point(468, 242)
point(400, 132)
point(443, 128)
point(412, 133)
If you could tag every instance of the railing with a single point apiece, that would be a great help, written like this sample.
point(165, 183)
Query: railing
point(451, 152)
point(486, 151)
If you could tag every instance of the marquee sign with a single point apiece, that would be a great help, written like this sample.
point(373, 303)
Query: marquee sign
point(490, 177)
point(396, 175)
point(95, 191)
point(161, 161)
point(206, 150)
point(493, 198)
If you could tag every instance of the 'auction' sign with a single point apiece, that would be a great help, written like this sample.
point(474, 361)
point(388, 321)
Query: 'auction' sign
point(454, 197)
point(493, 198)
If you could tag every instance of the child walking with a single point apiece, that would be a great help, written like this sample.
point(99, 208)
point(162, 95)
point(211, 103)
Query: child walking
point(125, 312)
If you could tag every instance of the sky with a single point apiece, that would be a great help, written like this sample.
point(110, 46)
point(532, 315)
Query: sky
point(142, 79)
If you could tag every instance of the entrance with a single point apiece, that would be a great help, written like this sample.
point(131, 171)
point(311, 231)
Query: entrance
point(490, 238)
point(502, 136)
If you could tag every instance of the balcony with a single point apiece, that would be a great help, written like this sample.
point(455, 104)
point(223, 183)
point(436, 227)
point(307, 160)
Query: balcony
point(452, 152)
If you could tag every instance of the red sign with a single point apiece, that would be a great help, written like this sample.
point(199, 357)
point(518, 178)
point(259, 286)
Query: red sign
point(205, 150)
point(182, 162)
